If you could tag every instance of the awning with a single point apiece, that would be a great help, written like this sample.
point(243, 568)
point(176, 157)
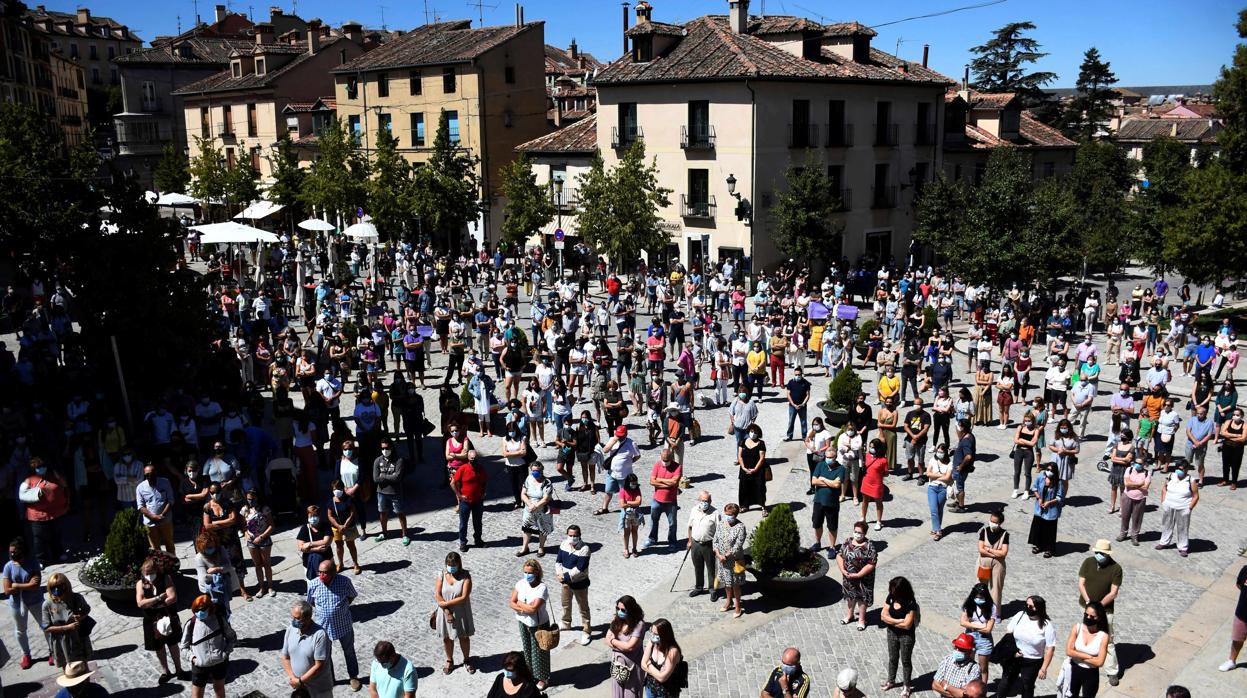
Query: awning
point(260, 209)
point(569, 226)
point(214, 233)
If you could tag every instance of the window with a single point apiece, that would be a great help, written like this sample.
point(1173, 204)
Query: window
point(383, 84)
point(448, 80)
point(352, 88)
point(580, 104)
point(835, 174)
point(113, 78)
point(417, 130)
point(1049, 170)
point(800, 123)
point(205, 123)
point(699, 187)
point(883, 192)
point(73, 51)
point(95, 76)
point(627, 123)
point(384, 120)
point(227, 120)
point(921, 175)
point(643, 49)
point(112, 52)
point(230, 160)
point(355, 127)
point(415, 83)
point(452, 123)
point(699, 122)
point(251, 120)
point(837, 133)
point(149, 96)
point(259, 66)
point(236, 67)
point(93, 52)
point(292, 126)
point(883, 123)
point(509, 75)
point(129, 50)
point(341, 56)
point(255, 158)
point(926, 129)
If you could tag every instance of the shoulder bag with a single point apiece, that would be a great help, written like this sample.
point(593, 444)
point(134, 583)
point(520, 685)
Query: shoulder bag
point(546, 634)
point(1006, 648)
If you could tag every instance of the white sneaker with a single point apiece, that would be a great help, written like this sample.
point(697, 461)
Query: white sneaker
point(1015, 494)
point(584, 638)
point(1002, 426)
point(878, 526)
point(1227, 665)
point(1026, 495)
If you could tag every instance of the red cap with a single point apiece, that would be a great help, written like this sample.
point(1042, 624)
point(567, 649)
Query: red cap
point(621, 430)
point(963, 642)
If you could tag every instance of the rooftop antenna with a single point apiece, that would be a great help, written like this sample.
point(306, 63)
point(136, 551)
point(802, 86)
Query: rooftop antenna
point(426, 11)
point(481, 6)
point(196, 4)
point(250, 13)
point(382, 17)
point(821, 18)
point(179, 24)
point(901, 40)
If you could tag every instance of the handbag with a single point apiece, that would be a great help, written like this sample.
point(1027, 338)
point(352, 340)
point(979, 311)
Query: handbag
point(620, 671)
point(1005, 650)
point(547, 636)
point(767, 474)
point(984, 574)
point(695, 430)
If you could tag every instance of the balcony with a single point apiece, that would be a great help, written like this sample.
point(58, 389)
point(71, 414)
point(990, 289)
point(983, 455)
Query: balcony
point(840, 136)
point(567, 199)
point(698, 138)
point(887, 135)
point(883, 197)
point(697, 209)
point(224, 131)
point(924, 134)
point(802, 135)
point(844, 202)
point(623, 139)
point(142, 134)
point(151, 105)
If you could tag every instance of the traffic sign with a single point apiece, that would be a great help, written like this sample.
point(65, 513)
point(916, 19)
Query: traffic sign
point(558, 244)
point(559, 235)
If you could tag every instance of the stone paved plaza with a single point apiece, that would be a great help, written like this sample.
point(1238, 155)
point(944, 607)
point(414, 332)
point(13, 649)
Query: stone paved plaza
point(1172, 619)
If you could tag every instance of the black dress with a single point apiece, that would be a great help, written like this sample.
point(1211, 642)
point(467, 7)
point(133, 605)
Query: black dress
point(752, 486)
point(152, 640)
point(528, 690)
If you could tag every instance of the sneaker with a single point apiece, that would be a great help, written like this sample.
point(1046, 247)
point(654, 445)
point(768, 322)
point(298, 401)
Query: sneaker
point(878, 526)
point(1026, 495)
point(584, 638)
point(26, 661)
point(356, 685)
point(1002, 427)
point(816, 547)
point(1135, 541)
point(1015, 494)
point(1113, 679)
point(379, 539)
point(406, 541)
point(1227, 665)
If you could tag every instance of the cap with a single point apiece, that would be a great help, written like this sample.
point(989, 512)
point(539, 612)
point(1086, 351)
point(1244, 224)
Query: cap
point(1102, 546)
point(963, 642)
point(621, 430)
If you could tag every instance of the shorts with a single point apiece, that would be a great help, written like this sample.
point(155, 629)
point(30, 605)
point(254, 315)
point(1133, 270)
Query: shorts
point(612, 485)
point(347, 534)
point(828, 514)
point(959, 479)
point(203, 675)
point(983, 644)
point(917, 452)
point(389, 504)
point(1238, 630)
point(629, 522)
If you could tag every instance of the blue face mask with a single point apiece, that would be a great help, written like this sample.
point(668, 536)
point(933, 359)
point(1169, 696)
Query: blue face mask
point(452, 569)
point(1180, 473)
point(980, 601)
point(789, 669)
point(623, 615)
point(959, 656)
point(296, 624)
point(530, 577)
point(536, 474)
point(508, 673)
point(41, 471)
point(729, 518)
point(201, 615)
point(1101, 558)
point(313, 520)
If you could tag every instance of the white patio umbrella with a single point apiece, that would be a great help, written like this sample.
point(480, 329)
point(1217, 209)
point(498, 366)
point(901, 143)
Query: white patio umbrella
point(175, 200)
point(362, 231)
point(216, 233)
point(316, 225)
point(259, 209)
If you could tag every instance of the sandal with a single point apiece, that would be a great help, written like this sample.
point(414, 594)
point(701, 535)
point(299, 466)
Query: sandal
point(861, 627)
point(739, 613)
point(448, 667)
point(1047, 554)
point(599, 512)
point(725, 609)
point(846, 621)
point(522, 553)
point(888, 685)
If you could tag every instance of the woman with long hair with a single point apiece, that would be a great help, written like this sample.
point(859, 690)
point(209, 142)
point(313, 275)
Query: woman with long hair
point(983, 380)
point(625, 637)
point(660, 660)
point(900, 615)
point(453, 594)
point(515, 681)
point(1036, 642)
point(978, 613)
point(258, 527)
point(1087, 648)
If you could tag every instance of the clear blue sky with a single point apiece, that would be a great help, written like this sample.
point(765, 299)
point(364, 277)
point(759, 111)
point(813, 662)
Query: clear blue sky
point(1154, 42)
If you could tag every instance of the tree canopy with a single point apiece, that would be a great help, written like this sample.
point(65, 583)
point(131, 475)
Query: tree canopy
point(1090, 110)
point(337, 183)
point(528, 207)
point(171, 173)
point(804, 226)
point(1002, 63)
point(446, 190)
point(389, 188)
point(619, 207)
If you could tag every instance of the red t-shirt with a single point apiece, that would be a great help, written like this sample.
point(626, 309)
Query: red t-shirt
point(471, 481)
point(666, 495)
point(655, 344)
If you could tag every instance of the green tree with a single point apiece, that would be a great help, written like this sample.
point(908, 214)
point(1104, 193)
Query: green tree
point(528, 207)
point(288, 179)
point(1230, 93)
point(171, 173)
point(1091, 107)
point(337, 183)
point(1101, 179)
point(388, 199)
point(1206, 237)
point(446, 189)
point(1166, 164)
point(1002, 63)
point(941, 217)
point(619, 208)
point(242, 186)
point(209, 176)
point(804, 225)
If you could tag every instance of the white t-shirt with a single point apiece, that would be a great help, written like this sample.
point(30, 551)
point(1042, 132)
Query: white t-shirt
point(1032, 640)
point(528, 594)
point(349, 472)
point(626, 454)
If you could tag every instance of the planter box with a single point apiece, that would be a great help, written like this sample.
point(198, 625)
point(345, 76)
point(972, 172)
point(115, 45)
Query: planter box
point(119, 594)
point(833, 416)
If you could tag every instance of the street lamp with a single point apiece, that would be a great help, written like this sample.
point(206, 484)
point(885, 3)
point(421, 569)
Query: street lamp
point(744, 209)
point(558, 208)
point(731, 184)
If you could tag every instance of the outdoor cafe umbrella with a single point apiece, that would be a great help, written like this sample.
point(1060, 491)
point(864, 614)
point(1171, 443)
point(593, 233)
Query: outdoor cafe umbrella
point(175, 200)
point(316, 225)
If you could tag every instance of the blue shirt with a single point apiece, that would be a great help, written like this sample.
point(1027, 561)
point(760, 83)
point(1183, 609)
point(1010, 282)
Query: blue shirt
point(1199, 429)
point(1205, 352)
point(394, 682)
point(31, 598)
point(1042, 490)
point(331, 605)
point(154, 498)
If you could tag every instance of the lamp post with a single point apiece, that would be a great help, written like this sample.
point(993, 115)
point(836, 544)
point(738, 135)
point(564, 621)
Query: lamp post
point(744, 210)
point(558, 209)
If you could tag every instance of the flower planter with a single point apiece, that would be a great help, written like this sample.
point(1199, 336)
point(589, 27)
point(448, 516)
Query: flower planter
point(111, 592)
point(782, 584)
point(833, 416)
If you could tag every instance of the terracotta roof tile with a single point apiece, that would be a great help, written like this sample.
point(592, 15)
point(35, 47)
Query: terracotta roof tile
point(1142, 130)
point(225, 81)
point(1039, 134)
point(194, 51)
point(983, 100)
point(580, 137)
point(435, 44)
point(646, 27)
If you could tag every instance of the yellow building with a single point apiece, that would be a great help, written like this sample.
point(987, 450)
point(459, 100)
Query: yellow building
point(70, 97)
point(490, 82)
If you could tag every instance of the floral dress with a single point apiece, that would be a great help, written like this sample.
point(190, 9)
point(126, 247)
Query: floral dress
point(729, 541)
point(856, 557)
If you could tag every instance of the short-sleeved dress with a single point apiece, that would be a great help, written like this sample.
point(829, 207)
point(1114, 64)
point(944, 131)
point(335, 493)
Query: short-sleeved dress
point(872, 477)
point(632, 687)
point(152, 640)
point(541, 521)
point(461, 623)
point(71, 646)
point(729, 541)
point(855, 558)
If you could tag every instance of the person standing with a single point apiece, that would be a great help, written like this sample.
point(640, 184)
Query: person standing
point(571, 566)
point(798, 394)
point(939, 478)
point(391, 675)
point(46, 497)
point(1049, 492)
point(1199, 431)
point(963, 458)
point(468, 484)
point(665, 479)
point(1086, 648)
point(66, 622)
point(1233, 436)
point(155, 503)
point(21, 584)
point(530, 599)
point(453, 595)
point(331, 595)
point(208, 639)
point(625, 637)
point(156, 596)
point(1238, 625)
point(751, 463)
point(538, 517)
point(993, 549)
point(1178, 499)
point(900, 616)
point(729, 547)
point(858, 561)
point(917, 428)
point(742, 414)
point(1099, 581)
point(306, 654)
point(619, 454)
point(387, 472)
point(789, 679)
point(1135, 483)
point(957, 670)
point(702, 524)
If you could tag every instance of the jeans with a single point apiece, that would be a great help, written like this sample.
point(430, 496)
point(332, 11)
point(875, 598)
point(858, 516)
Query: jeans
point(348, 652)
point(908, 381)
point(46, 540)
point(656, 510)
point(900, 647)
point(936, 496)
point(476, 509)
point(793, 414)
point(20, 612)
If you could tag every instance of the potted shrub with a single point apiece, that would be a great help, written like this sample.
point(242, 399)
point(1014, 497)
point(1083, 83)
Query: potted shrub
point(777, 559)
point(841, 394)
point(863, 332)
point(114, 572)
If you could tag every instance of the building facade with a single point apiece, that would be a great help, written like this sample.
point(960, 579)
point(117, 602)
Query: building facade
point(25, 71)
point(730, 103)
point(489, 82)
point(558, 160)
point(70, 97)
point(975, 123)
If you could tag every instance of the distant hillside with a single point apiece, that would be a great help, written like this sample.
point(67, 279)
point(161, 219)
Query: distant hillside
point(1147, 91)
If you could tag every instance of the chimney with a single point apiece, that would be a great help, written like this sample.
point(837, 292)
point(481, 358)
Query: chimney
point(263, 33)
point(625, 26)
point(220, 13)
point(274, 12)
point(573, 50)
point(313, 35)
point(926, 53)
point(644, 11)
point(354, 32)
point(965, 81)
point(84, 15)
point(521, 15)
point(738, 16)
point(517, 15)
point(1173, 130)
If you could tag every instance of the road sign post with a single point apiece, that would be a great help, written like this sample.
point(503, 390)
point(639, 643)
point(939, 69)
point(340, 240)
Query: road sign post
point(559, 236)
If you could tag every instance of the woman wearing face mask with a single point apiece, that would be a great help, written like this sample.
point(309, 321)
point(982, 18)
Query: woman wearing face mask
point(156, 596)
point(215, 574)
point(458, 446)
point(514, 452)
point(353, 485)
point(939, 479)
point(453, 594)
point(630, 514)
point(1178, 499)
point(857, 561)
point(531, 602)
point(221, 523)
point(341, 512)
point(626, 638)
point(1035, 637)
point(978, 614)
point(817, 443)
point(515, 681)
point(314, 540)
point(1120, 456)
point(258, 529)
point(1064, 448)
point(751, 464)
point(1087, 648)
point(900, 616)
point(729, 549)
point(983, 380)
point(1049, 492)
point(872, 488)
point(304, 445)
point(1233, 436)
point(208, 639)
point(661, 660)
point(993, 549)
point(1136, 481)
point(67, 623)
point(1024, 440)
point(538, 519)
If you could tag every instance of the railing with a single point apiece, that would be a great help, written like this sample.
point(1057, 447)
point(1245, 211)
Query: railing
point(697, 209)
point(224, 130)
point(845, 202)
point(802, 135)
point(840, 136)
point(697, 139)
point(883, 197)
point(924, 134)
point(625, 138)
point(887, 135)
point(567, 199)
point(151, 105)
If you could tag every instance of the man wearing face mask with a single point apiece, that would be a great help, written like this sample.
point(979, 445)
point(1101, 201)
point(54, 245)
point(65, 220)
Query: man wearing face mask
point(743, 413)
point(387, 472)
point(1099, 579)
point(571, 566)
point(665, 479)
point(392, 675)
point(330, 390)
point(702, 524)
point(47, 500)
point(331, 595)
point(155, 503)
point(957, 669)
point(306, 655)
point(127, 474)
point(788, 680)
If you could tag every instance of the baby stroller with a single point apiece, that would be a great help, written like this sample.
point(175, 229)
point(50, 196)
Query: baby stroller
point(281, 481)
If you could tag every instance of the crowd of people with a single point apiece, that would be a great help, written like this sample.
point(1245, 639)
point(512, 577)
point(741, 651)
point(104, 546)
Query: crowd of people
point(563, 376)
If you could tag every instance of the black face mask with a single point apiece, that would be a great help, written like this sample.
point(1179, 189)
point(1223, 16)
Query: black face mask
point(1090, 622)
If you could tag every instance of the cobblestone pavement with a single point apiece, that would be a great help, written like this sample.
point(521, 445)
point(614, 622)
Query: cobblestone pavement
point(728, 657)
